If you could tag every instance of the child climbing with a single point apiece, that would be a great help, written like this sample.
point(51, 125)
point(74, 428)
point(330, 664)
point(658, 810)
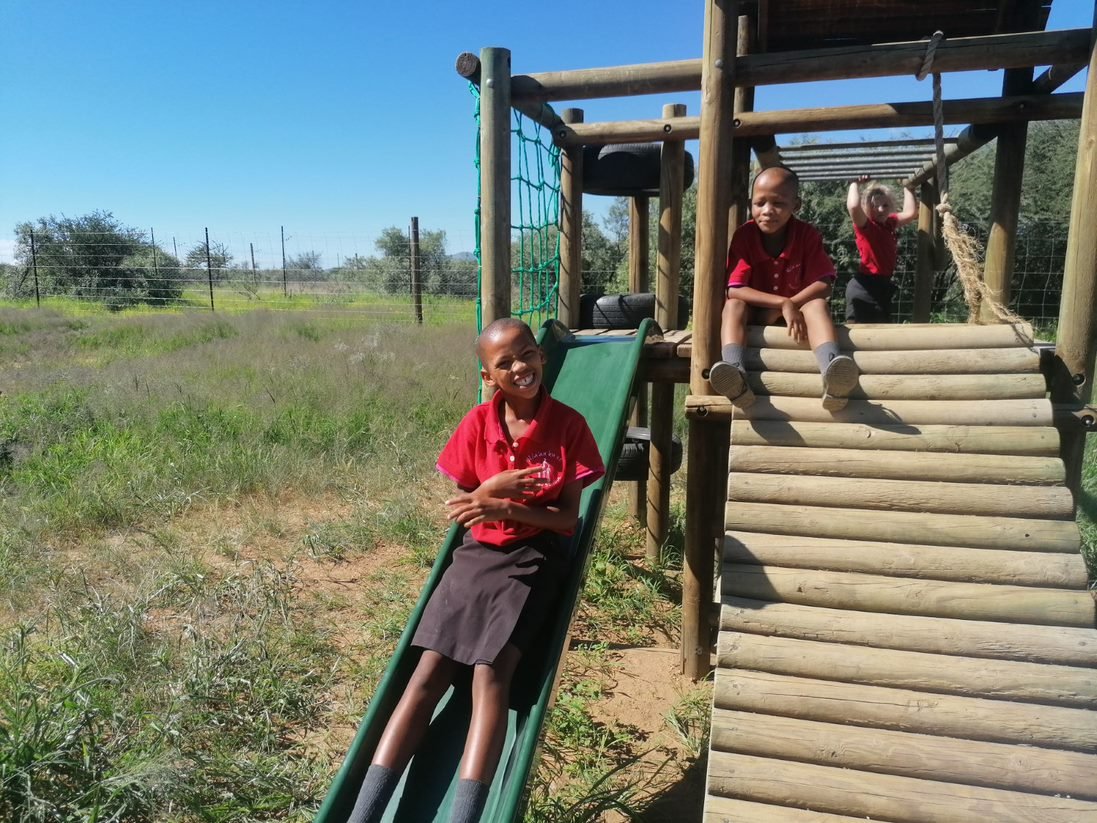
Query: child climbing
point(778, 272)
point(875, 221)
point(520, 462)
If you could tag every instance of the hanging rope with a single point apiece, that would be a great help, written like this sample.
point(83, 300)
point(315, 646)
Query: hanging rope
point(966, 251)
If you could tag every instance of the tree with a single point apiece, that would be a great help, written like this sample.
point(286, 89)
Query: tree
point(219, 258)
point(306, 266)
point(602, 257)
point(96, 257)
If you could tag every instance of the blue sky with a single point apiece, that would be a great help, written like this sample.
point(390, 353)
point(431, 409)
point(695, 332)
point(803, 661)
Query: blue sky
point(334, 119)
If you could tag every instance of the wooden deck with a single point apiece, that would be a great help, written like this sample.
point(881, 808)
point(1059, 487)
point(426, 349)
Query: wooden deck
point(905, 630)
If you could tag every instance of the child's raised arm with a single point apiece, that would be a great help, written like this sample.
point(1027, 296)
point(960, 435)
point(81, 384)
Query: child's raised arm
point(910, 208)
point(853, 201)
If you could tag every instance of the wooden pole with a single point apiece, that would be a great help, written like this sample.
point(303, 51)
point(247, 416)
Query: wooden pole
point(739, 212)
point(416, 272)
point(639, 236)
point(494, 184)
point(999, 51)
point(667, 284)
point(874, 116)
point(571, 228)
point(1076, 342)
point(703, 483)
point(926, 271)
point(285, 281)
point(1005, 201)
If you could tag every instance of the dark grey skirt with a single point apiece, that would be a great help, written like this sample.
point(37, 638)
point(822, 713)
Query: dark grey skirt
point(868, 299)
point(492, 596)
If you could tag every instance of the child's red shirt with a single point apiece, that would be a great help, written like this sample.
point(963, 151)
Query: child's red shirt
point(558, 440)
point(878, 246)
point(802, 262)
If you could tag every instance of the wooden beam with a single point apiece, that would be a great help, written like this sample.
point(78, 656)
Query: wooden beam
point(997, 440)
point(667, 285)
point(992, 52)
point(1076, 342)
point(1060, 645)
point(571, 228)
point(995, 765)
point(468, 66)
point(860, 145)
point(639, 276)
point(495, 184)
point(704, 476)
point(1005, 201)
point(925, 274)
point(880, 115)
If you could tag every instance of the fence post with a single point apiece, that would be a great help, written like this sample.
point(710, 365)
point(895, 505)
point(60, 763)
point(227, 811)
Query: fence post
point(416, 273)
point(285, 286)
point(155, 259)
point(34, 268)
point(209, 271)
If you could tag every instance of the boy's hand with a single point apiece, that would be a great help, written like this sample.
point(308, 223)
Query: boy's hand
point(473, 509)
point(515, 484)
point(794, 319)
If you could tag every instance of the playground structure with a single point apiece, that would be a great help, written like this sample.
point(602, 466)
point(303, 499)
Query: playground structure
point(985, 386)
point(904, 628)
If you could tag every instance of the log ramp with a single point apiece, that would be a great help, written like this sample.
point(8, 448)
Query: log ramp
point(905, 631)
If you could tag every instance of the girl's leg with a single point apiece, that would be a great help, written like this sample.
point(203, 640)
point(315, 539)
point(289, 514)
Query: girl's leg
point(402, 735)
point(411, 717)
point(487, 729)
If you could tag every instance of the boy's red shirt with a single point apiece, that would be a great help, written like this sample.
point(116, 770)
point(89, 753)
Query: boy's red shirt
point(802, 262)
point(878, 246)
point(558, 440)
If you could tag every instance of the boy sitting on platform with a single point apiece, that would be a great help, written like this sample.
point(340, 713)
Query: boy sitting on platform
point(778, 272)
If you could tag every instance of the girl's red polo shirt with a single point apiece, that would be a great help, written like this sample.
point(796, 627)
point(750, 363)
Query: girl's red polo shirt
point(558, 440)
point(878, 246)
point(802, 262)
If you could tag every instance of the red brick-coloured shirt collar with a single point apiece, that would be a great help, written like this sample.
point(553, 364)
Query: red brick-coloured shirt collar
point(558, 441)
point(802, 261)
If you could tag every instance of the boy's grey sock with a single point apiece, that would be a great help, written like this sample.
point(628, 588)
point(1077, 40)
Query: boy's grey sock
point(468, 804)
point(373, 797)
point(732, 353)
point(825, 353)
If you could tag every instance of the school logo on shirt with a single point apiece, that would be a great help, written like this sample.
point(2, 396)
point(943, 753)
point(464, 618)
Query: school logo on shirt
point(549, 463)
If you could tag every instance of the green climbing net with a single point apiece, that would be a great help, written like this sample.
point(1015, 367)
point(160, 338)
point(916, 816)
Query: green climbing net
point(535, 205)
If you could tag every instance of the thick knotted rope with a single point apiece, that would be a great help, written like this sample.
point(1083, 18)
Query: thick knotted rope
point(966, 251)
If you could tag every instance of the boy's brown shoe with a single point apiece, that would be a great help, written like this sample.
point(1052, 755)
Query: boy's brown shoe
point(839, 379)
point(731, 382)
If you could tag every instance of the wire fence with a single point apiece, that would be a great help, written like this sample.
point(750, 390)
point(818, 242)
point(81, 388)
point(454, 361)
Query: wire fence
point(376, 275)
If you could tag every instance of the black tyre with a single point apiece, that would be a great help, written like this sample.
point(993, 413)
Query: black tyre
point(633, 464)
point(625, 311)
point(627, 170)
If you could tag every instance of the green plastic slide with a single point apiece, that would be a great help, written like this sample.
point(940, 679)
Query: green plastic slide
point(595, 376)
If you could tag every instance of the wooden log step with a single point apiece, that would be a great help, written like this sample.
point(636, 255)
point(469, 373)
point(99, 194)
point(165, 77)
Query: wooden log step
point(883, 797)
point(900, 595)
point(1015, 568)
point(1001, 440)
point(982, 499)
point(934, 361)
point(919, 671)
point(732, 810)
point(922, 756)
point(878, 707)
point(905, 337)
point(966, 638)
point(1033, 412)
point(923, 387)
point(970, 531)
point(898, 465)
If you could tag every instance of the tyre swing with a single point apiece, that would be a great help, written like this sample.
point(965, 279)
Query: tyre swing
point(965, 249)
